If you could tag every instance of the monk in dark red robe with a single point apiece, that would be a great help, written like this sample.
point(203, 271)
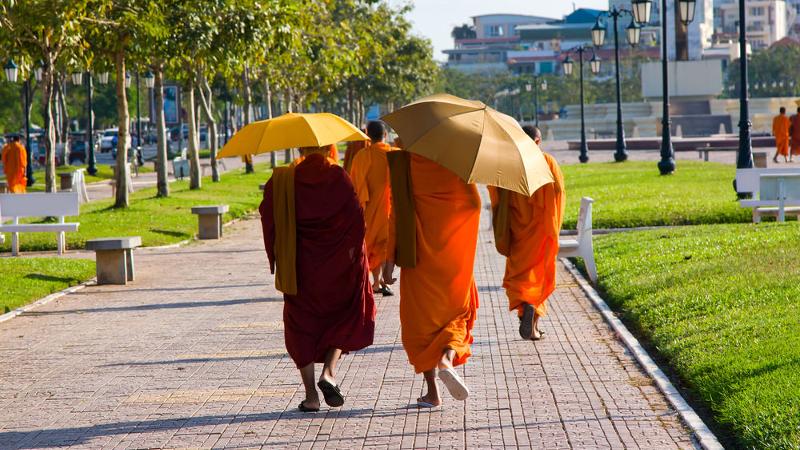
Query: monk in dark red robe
point(314, 236)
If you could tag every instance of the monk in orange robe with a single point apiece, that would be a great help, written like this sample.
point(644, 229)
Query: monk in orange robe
point(780, 129)
point(433, 237)
point(314, 237)
point(794, 131)
point(526, 232)
point(370, 175)
point(15, 163)
point(352, 150)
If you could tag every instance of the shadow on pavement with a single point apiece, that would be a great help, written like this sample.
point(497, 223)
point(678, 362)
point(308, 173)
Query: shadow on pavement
point(156, 306)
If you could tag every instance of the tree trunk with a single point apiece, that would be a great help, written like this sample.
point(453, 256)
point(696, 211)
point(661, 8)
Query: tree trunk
point(248, 113)
point(268, 97)
point(50, 130)
point(161, 134)
point(124, 121)
point(62, 106)
point(207, 104)
point(194, 154)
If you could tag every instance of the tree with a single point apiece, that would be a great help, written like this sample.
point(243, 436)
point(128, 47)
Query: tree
point(464, 31)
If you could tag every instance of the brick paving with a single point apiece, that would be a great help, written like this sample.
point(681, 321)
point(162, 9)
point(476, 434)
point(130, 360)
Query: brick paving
point(191, 356)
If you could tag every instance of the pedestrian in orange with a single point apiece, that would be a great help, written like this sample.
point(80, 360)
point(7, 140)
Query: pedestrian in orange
point(780, 129)
point(15, 163)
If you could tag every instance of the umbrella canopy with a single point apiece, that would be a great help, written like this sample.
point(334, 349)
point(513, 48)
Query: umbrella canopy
point(477, 143)
point(289, 131)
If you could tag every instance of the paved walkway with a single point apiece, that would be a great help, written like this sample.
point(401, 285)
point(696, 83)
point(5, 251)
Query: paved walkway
point(191, 356)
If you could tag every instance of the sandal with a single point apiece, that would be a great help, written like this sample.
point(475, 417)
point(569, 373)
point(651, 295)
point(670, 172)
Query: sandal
point(333, 396)
point(526, 322)
point(302, 407)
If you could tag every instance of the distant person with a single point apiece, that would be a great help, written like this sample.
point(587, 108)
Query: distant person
point(435, 220)
point(15, 164)
point(526, 231)
point(314, 237)
point(794, 131)
point(780, 129)
point(370, 174)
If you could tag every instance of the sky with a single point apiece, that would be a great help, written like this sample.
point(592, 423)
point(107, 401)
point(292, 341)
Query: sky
point(435, 19)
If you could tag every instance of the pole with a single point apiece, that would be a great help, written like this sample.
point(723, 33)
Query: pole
point(536, 101)
point(744, 158)
point(26, 88)
point(584, 157)
point(667, 164)
point(139, 158)
point(620, 155)
point(91, 159)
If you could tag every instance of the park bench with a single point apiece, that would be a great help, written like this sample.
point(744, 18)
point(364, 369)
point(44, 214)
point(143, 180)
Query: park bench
point(581, 245)
point(114, 258)
point(207, 165)
point(114, 179)
point(55, 204)
point(75, 182)
point(776, 192)
point(210, 220)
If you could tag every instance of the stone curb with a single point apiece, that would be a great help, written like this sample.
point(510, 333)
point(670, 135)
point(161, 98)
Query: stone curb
point(702, 433)
point(45, 300)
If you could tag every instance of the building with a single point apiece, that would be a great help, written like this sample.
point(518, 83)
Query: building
point(486, 46)
point(767, 21)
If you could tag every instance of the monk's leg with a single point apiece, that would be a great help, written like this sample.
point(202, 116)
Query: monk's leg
point(447, 359)
point(376, 279)
point(329, 370)
point(432, 396)
point(312, 398)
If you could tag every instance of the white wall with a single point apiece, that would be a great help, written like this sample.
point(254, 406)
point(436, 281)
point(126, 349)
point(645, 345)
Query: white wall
point(690, 79)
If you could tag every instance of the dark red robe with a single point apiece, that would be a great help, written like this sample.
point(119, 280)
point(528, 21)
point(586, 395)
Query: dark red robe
point(334, 306)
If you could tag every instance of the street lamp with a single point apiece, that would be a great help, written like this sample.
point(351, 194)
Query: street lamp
point(686, 8)
point(568, 67)
point(633, 33)
point(744, 157)
point(102, 77)
point(149, 80)
point(77, 78)
point(91, 158)
point(127, 80)
point(12, 73)
point(535, 88)
point(139, 158)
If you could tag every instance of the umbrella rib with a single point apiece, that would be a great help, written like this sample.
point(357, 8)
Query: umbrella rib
point(475, 161)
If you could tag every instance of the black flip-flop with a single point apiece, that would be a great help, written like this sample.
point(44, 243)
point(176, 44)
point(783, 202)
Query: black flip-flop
point(305, 408)
point(541, 336)
point(386, 291)
point(526, 322)
point(333, 396)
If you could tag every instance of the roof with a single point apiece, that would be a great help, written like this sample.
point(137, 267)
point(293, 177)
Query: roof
point(604, 54)
point(785, 42)
point(582, 15)
point(555, 31)
point(526, 16)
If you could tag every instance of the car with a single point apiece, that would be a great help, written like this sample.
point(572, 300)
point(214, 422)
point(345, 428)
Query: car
point(108, 140)
point(77, 148)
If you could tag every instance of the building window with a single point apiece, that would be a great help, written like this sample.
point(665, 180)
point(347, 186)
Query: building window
point(758, 11)
point(494, 30)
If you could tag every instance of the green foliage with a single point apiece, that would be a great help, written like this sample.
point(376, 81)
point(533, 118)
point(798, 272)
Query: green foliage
point(775, 64)
point(719, 303)
point(159, 221)
point(633, 194)
point(28, 279)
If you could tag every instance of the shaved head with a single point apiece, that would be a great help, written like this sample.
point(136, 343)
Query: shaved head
point(534, 132)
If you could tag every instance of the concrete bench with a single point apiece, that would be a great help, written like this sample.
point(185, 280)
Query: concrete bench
point(776, 192)
point(54, 204)
point(207, 165)
point(210, 220)
point(114, 257)
point(582, 245)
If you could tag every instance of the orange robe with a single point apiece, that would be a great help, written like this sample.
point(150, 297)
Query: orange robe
point(370, 174)
point(795, 134)
point(780, 129)
point(535, 224)
point(15, 162)
point(438, 297)
point(353, 148)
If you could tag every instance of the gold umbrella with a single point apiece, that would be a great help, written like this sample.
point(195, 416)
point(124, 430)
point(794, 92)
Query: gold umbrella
point(477, 143)
point(289, 131)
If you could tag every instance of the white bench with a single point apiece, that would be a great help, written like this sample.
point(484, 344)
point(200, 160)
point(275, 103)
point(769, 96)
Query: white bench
point(776, 192)
point(56, 204)
point(582, 245)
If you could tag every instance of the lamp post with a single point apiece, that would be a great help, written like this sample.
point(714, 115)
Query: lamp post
point(12, 73)
point(568, 69)
point(641, 11)
point(535, 88)
point(633, 33)
point(744, 158)
point(91, 158)
point(138, 124)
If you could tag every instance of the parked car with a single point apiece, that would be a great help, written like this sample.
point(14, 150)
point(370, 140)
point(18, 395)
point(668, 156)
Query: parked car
point(108, 140)
point(77, 147)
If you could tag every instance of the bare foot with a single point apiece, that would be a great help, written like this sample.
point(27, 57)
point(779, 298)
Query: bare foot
point(445, 362)
point(325, 377)
point(431, 399)
point(311, 402)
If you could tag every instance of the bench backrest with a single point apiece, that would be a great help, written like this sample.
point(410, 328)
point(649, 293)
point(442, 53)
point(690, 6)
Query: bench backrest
point(749, 180)
point(584, 224)
point(53, 204)
point(773, 188)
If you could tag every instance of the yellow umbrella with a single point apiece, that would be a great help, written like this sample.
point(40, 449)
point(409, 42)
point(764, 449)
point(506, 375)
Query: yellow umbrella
point(477, 143)
point(289, 131)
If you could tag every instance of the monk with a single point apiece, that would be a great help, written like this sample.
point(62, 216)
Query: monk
point(794, 132)
point(526, 231)
point(370, 175)
point(780, 129)
point(314, 237)
point(433, 237)
point(352, 150)
point(15, 164)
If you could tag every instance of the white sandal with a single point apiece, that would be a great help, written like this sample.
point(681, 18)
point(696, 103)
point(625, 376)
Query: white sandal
point(454, 384)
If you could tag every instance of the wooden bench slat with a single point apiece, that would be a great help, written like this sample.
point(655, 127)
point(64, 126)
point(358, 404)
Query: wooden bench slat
point(39, 227)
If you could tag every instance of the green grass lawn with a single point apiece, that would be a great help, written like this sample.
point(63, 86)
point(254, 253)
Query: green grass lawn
point(158, 221)
point(633, 194)
point(721, 304)
point(28, 279)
